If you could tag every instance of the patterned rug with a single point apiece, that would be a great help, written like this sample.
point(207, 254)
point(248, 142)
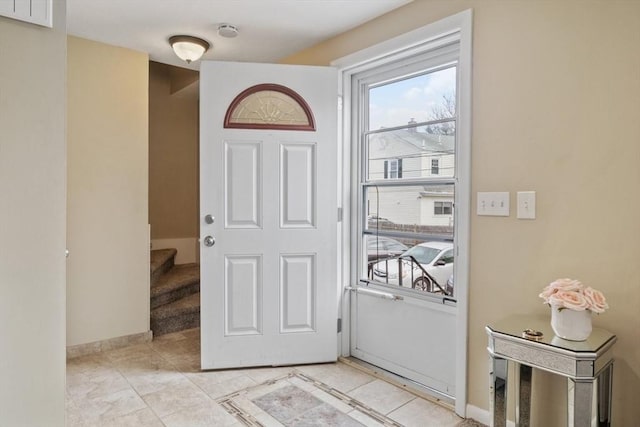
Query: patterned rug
point(470, 423)
point(297, 400)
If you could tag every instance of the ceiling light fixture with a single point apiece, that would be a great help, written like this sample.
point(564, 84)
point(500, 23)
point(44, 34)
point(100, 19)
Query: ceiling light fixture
point(189, 48)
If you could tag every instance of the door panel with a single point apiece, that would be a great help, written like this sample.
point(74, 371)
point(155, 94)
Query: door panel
point(269, 284)
point(410, 337)
point(243, 294)
point(297, 185)
point(297, 290)
point(242, 163)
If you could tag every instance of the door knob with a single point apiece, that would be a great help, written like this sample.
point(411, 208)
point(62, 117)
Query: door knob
point(209, 241)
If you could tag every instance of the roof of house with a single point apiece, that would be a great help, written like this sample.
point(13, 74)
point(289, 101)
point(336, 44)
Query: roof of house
point(436, 143)
point(437, 191)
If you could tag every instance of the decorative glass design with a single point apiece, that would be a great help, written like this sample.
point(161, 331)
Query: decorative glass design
point(269, 106)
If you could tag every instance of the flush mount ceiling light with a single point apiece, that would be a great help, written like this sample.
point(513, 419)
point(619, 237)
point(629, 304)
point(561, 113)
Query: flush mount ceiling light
point(188, 48)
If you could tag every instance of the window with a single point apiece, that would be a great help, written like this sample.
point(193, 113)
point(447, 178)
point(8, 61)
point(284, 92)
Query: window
point(269, 106)
point(442, 208)
point(447, 257)
point(405, 147)
point(393, 169)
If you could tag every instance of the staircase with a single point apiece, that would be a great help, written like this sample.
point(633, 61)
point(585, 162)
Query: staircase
point(175, 293)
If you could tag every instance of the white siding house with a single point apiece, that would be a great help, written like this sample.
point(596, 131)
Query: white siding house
point(411, 153)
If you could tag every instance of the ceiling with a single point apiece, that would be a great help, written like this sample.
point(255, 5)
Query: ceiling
point(268, 29)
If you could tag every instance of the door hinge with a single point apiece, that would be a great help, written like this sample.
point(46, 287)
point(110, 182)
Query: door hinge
point(339, 214)
point(339, 325)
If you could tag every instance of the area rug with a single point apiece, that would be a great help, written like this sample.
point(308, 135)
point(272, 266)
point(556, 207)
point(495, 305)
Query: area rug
point(470, 423)
point(298, 400)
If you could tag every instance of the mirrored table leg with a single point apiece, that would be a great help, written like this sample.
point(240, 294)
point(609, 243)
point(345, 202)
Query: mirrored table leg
point(498, 403)
point(523, 395)
point(604, 396)
point(580, 399)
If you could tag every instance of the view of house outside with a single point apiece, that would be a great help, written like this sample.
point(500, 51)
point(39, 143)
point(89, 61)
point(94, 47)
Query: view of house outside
point(411, 139)
point(411, 153)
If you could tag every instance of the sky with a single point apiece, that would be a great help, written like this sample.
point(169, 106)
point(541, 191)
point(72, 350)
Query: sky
point(396, 103)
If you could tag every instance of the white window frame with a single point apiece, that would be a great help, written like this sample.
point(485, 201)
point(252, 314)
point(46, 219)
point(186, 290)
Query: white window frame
point(456, 27)
point(435, 164)
point(443, 204)
point(391, 170)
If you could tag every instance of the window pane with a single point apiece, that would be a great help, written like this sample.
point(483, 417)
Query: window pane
point(415, 152)
point(391, 169)
point(381, 247)
point(442, 208)
point(427, 266)
point(418, 219)
point(422, 98)
point(411, 209)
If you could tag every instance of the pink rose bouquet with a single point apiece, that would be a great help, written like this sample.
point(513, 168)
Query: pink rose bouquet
point(571, 294)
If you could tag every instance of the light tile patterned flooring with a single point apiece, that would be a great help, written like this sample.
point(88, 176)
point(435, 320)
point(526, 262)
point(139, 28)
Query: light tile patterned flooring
point(160, 384)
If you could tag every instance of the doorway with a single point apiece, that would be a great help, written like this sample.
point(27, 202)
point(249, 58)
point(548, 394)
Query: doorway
point(406, 147)
point(411, 322)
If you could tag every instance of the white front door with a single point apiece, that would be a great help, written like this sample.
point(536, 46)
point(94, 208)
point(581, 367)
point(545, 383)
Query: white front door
point(269, 283)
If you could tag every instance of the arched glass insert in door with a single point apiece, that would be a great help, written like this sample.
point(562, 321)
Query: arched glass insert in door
point(269, 106)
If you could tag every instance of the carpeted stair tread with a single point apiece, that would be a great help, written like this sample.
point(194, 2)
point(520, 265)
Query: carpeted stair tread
point(175, 293)
point(161, 261)
point(189, 304)
point(176, 316)
point(181, 281)
point(179, 276)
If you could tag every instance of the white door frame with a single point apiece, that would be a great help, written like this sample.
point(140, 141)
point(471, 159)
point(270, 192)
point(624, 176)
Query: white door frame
point(455, 27)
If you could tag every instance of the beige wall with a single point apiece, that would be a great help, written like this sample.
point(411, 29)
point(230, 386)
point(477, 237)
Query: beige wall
point(556, 90)
point(108, 234)
point(32, 221)
point(173, 156)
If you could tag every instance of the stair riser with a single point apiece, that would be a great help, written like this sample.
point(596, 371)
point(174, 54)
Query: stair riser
point(176, 323)
point(169, 297)
point(166, 266)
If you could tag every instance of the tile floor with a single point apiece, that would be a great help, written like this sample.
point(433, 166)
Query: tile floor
point(160, 384)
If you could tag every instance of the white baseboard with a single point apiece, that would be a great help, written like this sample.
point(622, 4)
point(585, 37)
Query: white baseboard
point(188, 248)
point(482, 416)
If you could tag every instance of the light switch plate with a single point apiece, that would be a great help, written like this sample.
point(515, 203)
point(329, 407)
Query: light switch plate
point(526, 205)
point(493, 203)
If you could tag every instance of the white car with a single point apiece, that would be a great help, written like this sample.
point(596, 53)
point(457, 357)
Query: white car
point(436, 258)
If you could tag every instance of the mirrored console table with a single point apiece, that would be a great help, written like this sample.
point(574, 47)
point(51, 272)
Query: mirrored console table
point(587, 365)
